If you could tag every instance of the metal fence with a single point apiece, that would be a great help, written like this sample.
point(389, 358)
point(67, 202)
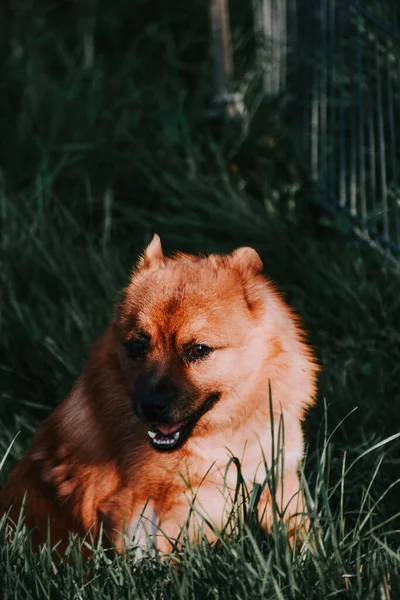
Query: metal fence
point(340, 62)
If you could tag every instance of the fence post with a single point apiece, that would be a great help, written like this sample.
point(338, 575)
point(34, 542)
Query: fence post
point(270, 25)
point(225, 103)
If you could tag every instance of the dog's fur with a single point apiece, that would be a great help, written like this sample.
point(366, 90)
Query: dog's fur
point(92, 460)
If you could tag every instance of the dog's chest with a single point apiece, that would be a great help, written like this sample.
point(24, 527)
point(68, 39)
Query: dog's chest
point(254, 454)
point(223, 466)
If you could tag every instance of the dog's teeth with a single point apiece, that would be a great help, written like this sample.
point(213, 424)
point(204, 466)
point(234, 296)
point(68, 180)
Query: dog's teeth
point(164, 441)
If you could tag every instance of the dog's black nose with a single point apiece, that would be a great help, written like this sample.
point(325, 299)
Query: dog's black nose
point(154, 407)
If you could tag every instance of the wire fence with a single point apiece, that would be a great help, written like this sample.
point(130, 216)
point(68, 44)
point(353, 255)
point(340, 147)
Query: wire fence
point(342, 61)
point(339, 60)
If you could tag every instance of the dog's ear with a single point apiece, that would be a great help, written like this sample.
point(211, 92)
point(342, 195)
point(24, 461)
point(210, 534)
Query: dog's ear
point(247, 260)
point(153, 257)
point(249, 264)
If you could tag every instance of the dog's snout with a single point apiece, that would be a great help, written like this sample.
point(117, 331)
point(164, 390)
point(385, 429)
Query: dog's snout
point(154, 407)
point(154, 398)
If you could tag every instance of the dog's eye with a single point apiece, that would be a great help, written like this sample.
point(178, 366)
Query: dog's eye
point(136, 348)
point(198, 351)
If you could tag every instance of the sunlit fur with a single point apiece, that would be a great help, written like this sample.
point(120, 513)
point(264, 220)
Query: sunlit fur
point(92, 462)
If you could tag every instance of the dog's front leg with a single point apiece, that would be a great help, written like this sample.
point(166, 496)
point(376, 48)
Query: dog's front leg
point(136, 527)
point(287, 505)
point(147, 532)
point(142, 530)
point(195, 516)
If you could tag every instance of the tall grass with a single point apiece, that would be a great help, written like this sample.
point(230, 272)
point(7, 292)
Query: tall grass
point(334, 560)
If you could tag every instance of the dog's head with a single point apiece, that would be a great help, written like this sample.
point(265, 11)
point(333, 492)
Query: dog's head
point(188, 335)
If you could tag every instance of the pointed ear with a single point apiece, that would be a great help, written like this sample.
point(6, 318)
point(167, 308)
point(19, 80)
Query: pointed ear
point(247, 260)
point(248, 263)
point(153, 257)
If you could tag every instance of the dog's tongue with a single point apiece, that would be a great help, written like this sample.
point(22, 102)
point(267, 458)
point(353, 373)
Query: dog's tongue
point(168, 429)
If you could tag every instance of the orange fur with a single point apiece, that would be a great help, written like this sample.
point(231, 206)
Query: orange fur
point(92, 461)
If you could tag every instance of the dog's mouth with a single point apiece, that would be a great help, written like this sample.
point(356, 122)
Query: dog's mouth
point(168, 437)
point(171, 437)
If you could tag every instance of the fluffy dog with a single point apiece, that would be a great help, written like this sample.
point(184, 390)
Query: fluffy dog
point(177, 384)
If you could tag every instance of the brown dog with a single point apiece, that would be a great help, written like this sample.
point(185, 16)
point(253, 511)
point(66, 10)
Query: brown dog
point(177, 384)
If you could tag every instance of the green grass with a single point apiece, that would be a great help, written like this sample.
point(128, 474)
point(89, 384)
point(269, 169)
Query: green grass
point(92, 162)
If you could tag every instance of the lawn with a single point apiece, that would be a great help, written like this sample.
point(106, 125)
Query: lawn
point(96, 155)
